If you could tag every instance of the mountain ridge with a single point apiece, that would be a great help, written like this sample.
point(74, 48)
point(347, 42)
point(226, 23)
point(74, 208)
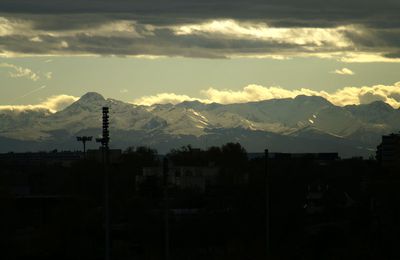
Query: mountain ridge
point(302, 119)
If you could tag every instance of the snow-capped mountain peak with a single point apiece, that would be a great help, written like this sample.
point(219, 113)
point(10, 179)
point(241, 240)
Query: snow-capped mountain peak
point(91, 97)
point(252, 123)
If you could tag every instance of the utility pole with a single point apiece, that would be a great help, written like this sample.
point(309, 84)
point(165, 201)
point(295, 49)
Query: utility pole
point(166, 209)
point(267, 208)
point(105, 152)
point(84, 139)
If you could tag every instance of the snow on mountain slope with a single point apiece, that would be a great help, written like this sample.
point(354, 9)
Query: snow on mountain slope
point(376, 113)
point(86, 113)
point(19, 124)
point(305, 117)
point(181, 120)
point(336, 120)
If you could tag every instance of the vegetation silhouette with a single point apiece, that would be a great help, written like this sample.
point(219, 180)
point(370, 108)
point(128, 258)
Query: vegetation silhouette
point(321, 207)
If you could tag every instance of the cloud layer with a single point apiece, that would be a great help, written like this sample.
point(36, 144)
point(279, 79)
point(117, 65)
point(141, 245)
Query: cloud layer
point(165, 98)
point(389, 94)
point(52, 104)
point(353, 30)
point(344, 96)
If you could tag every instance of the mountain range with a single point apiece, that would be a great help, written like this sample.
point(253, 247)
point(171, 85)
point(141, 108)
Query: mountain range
point(300, 124)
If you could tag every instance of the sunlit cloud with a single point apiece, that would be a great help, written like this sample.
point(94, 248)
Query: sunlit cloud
point(164, 98)
point(14, 26)
point(389, 94)
point(36, 39)
point(64, 44)
point(362, 57)
point(20, 72)
point(51, 104)
point(299, 36)
point(341, 97)
point(58, 102)
point(205, 38)
point(343, 71)
point(115, 28)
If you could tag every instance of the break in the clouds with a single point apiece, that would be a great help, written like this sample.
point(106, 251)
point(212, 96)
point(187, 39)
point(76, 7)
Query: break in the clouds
point(52, 104)
point(343, 71)
point(341, 97)
point(353, 30)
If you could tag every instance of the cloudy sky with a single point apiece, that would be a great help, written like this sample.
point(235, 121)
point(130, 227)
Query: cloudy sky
point(145, 52)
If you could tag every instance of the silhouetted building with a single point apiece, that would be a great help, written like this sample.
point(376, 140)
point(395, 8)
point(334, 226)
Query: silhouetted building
point(41, 158)
point(310, 156)
point(388, 152)
point(97, 155)
point(299, 156)
point(184, 177)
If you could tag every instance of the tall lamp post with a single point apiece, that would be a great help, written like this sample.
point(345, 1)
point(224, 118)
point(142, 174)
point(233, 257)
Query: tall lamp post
point(105, 152)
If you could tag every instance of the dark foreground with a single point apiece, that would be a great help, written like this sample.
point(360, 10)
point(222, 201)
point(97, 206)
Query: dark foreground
point(214, 207)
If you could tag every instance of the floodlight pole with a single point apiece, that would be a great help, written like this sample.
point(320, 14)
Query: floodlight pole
point(84, 139)
point(267, 208)
point(106, 161)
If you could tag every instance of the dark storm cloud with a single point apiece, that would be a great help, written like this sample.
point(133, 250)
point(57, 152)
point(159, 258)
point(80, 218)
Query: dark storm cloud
point(80, 27)
point(163, 42)
point(384, 13)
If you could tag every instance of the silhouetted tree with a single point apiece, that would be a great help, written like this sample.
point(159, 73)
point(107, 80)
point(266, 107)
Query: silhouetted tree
point(133, 161)
point(140, 157)
point(214, 155)
point(187, 156)
point(233, 155)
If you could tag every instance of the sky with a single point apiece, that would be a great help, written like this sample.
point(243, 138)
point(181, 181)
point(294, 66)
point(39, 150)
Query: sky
point(145, 52)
